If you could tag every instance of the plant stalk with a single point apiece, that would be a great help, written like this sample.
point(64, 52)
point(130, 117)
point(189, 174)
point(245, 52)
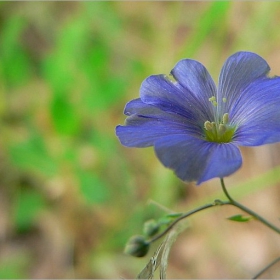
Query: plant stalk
point(247, 210)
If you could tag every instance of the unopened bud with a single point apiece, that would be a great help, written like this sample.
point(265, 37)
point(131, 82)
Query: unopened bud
point(137, 246)
point(151, 227)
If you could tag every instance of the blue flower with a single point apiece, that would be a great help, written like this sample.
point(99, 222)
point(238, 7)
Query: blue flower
point(196, 127)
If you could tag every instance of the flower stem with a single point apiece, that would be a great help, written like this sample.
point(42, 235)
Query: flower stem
point(206, 206)
point(217, 202)
point(247, 210)
point(266, 268)
point(189, 213)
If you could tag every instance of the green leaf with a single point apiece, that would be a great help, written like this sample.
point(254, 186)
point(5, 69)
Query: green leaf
point(32, 155)
point(15, 63)
point(61, 67)
point(65, 120)
point(92, 188)
point(239, 218)
point(174, 215)
point(27, 207)
point(167, 219)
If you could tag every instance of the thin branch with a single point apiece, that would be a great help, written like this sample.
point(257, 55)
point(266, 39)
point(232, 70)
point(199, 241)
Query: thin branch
point(266, 268)
point(186, 215)
point(247, 210)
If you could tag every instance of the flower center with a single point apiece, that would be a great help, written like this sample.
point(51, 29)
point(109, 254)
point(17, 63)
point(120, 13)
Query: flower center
point(220, 131)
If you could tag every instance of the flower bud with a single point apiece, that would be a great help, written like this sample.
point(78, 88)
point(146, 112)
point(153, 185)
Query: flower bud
point(137, 246)
point(151, 227)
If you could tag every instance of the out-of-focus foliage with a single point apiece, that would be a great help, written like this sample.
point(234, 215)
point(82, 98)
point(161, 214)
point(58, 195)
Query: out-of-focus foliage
point(70, 194)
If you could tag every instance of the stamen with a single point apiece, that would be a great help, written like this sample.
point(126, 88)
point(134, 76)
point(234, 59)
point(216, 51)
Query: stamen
point(224, 100)
point(208, 125)
point(225, 118)
point(213, 125)
point(222, 129)
point(213, 101)
point(220, 132)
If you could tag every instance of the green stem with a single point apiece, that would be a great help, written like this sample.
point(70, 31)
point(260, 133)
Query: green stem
point(198, 209)
point(266, 268)
point(217, 203)
point(247, 210)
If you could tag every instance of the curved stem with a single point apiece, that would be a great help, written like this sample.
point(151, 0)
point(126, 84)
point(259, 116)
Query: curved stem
point(198, 209)
point(217, 203)
point(247, 210)
point(266, 268)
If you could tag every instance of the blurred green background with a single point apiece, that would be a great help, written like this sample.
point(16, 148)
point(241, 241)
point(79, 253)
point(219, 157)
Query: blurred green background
point(70, 194)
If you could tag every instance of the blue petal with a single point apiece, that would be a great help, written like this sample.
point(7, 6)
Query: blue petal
point(194, 159)
point(188, 95)
point(135, 106)
point(257, 113)
point(147, 123)
point(239, 70)
point(195, 78)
